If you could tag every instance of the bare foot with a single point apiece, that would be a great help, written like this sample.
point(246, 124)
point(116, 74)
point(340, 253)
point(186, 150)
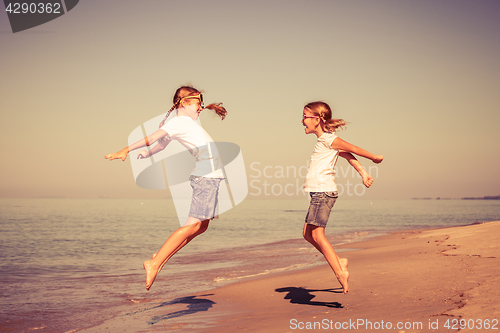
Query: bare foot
point(150, 273)
point(343, 278)
point(343, 263)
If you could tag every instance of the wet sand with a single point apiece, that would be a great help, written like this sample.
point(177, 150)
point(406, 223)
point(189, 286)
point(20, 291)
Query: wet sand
point(417, 281)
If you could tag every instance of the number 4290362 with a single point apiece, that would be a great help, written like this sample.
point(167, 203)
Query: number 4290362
point(33, 8)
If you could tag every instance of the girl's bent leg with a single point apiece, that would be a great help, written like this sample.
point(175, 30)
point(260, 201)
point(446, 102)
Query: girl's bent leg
point(204, 226)
point(307, 233)
point(174, 243)
point(316, 236)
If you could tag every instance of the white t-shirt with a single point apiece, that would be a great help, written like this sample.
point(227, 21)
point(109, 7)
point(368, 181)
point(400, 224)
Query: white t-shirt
point(194, 138)
point(321, 173)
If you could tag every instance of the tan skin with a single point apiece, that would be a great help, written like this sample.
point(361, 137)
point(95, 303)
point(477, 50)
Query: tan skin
point(194, 226)
point(316, 235)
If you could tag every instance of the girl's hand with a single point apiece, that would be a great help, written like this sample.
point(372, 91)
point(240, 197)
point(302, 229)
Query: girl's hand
point(377, 159)
point(367, 179)
point(121, 154)
point(143, 154)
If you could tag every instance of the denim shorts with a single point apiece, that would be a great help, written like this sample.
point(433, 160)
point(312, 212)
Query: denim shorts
point(205, 203)
point(320, 207)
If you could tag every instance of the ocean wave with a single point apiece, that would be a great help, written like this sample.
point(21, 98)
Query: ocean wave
point(267, 271)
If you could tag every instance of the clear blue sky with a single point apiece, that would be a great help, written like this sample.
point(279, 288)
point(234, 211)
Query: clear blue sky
point(417, 81)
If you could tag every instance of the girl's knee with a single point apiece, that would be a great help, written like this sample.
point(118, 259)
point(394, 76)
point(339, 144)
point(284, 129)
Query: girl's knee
point(308, 237)
point(306, 233)
point(203, 226)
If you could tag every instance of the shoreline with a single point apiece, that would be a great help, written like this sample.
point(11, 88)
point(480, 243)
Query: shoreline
point(430, 276)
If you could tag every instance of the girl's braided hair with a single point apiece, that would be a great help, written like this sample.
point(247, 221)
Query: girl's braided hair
point(323, 111)
point(186, 91)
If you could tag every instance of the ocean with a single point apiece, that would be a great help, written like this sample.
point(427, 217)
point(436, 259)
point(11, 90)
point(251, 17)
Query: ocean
point(69, 264)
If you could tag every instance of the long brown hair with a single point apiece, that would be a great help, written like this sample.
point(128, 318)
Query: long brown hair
point(324, 112)
point(185, 91)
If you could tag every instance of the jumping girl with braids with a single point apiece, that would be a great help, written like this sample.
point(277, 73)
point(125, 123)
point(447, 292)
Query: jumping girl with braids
point(204, 179)
point(320, 180)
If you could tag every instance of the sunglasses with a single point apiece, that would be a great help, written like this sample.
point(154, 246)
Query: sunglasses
point(304, 117)
point(199, 96)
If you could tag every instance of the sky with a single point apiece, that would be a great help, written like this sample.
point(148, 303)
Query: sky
point(417, 81)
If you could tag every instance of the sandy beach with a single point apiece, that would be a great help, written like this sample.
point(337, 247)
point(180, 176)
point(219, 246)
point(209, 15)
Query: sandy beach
point(426, 280)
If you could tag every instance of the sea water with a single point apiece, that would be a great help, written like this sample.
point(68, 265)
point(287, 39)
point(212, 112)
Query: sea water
point(67, 264)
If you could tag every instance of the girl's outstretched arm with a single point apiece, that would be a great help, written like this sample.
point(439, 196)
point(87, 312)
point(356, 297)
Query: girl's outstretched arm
point(122, 154)
point(367, 179)
point(159, 147)
point(340, 144)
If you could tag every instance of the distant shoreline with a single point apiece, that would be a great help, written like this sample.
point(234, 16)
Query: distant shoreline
point(488, 197)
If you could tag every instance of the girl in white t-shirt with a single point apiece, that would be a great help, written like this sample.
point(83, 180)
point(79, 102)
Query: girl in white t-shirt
point(320, 180)
point(204, 179)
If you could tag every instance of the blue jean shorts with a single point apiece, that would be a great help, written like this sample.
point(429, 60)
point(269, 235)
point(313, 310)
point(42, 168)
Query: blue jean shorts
point(320, 207)
point(205, 203)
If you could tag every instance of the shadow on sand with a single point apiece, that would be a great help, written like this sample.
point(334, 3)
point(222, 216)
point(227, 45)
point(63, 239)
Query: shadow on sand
point(194, 305)
point(304, 296)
